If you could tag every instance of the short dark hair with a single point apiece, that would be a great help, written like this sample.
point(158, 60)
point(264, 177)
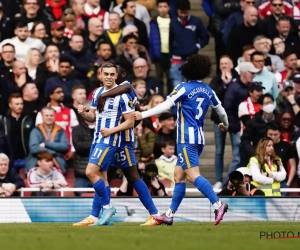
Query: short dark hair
point(8, 44)
point(13, 96)
point(103, 42)
point(124, 4)
point(164, 144)
point(273, 125)
point(162, 1)
point(44, 155)
point(109, 65)
point(288, 52)
point(247, 47)
point(77, 86)
point(128, 37)
point(256, 53)
point(262, 98)
point(283, 18)
point(196, 67)
point(183, 5)
point(21, 25)
point(65, 59)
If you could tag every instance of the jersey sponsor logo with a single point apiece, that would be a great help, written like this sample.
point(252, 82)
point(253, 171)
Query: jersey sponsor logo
point(106, 113)
point(174, 92)
point(130, 104)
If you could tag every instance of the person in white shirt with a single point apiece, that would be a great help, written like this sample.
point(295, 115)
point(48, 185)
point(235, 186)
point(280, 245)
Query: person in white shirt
point(23, 42)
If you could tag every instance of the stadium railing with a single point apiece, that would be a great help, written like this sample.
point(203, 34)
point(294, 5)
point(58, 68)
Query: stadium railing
point(115, 190)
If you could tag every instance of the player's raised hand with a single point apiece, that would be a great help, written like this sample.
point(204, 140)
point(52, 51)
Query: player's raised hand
point(137, 115)
point(222, 127)
point(105, 132)
point(81, 109)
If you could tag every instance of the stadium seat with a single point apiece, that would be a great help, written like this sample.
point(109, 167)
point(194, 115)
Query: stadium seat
point(26, 194)
point(70, 173)
point(87, 195)
point(116, 183)
point(22, 173)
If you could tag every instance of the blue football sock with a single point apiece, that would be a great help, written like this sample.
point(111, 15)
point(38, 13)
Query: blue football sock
point(144, 196)
point(96, 207)
point(178, 194)
point(205, 188)
point(108, 191)
point(99, 187)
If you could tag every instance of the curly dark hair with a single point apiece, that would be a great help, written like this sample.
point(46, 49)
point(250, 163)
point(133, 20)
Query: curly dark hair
point(196, 67)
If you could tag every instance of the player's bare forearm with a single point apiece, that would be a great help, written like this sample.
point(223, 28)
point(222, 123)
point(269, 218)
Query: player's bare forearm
point(137, 108)
point(127, 124)
point(121, 89)
point(88, 116)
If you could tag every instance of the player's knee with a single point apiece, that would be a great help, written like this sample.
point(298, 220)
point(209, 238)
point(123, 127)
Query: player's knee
point(91, 171)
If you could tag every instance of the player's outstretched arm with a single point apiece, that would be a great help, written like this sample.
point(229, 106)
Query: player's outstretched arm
point(164, 106)
point(121, 89)
point(88, 116)
point(127, 124)
point(223, 117)
point(137, 108)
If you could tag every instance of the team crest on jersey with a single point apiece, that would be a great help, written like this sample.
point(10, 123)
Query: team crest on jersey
point(174, 92)
point(111, 101)
point(65, 117)
point(130, 104)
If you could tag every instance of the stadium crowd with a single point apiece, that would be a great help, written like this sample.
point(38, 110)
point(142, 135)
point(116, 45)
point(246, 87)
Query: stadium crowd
point(51, 51)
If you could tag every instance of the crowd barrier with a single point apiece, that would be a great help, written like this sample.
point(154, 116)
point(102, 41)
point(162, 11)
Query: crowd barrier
point(115, 190)
point(192, 209)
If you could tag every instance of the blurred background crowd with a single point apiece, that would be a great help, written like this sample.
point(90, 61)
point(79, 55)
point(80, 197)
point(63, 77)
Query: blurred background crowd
point(51, 51)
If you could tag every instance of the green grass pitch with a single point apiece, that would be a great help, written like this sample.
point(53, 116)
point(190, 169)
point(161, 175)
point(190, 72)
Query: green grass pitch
point(123, 236)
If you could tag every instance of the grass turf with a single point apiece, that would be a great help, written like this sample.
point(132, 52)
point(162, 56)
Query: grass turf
point(181, 236)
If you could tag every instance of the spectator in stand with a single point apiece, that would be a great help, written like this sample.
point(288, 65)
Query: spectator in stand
point(249, 107)
point(57, 37)
point(291, 65)
point(289, 132)
point(64, 78)
point(54, 9)
point(64, 116)
point(78, 9)
point(187, 36)
point(144, 142)
point(272, 62)
point(267, 78)
point(220, 85)
point(17, 127)
point(38, 31)
point(243, 34)
point(295, 78)
point(49, 68)
point(288, 102)
point(275, 7)
point(32, 100)
point(6, 22)
point(285, 32)
point(69, 21)
point(128, 8)
point(7, 58)
point(92, 9)
point(130, 50)
point(166, 132)
point(4, 90)
point(79, 96)
point(141, 12)
point(83, 137)
point(96, 36)
point(279, 47)
point(256, 128)
point(140, 89)
point(32, 13)
point(48, 136)
point(23, 42)
point(114, 33)
point(285, 151)
point(266, 168)
point(235, 18)
point(45, 175)
point(270, 20)
point(81, 59)
point(247, 51)
point(32, 61)
point(159, 50)
point(17, 77)
point(6, 148)
point(222, 10)
point(166, 163)
point(154, 100)
point(141, 71)
point(10, 181)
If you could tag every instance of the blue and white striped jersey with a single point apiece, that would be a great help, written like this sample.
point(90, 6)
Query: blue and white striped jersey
point(128, 135)
point(111, 116)
point(193, 100)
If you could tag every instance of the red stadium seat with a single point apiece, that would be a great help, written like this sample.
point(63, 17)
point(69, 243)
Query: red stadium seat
point(70, 173)
point(22, 173)
point(116, 183)
point(87, 195)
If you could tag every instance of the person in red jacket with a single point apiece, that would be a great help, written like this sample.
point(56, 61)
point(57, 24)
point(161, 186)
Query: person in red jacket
point(265, 9)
